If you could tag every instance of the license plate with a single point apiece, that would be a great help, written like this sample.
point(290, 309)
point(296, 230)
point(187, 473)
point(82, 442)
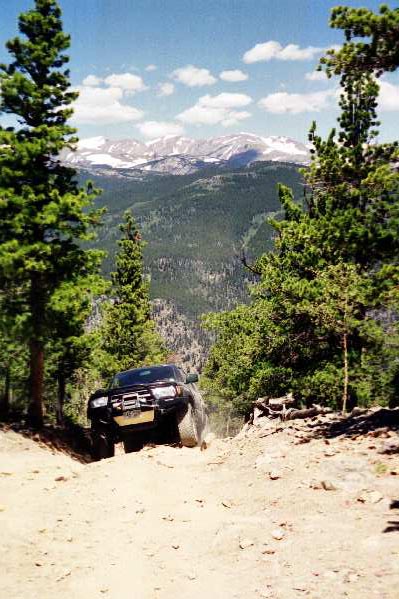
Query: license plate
point(131, 413)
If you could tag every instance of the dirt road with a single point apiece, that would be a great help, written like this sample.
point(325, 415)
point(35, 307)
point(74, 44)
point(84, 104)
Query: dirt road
point(247, 518)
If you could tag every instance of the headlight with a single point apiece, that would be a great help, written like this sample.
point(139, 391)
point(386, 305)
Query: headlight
point(99, 402)
point(164, 392)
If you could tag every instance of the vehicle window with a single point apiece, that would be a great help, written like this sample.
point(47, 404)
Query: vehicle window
point(143, 376)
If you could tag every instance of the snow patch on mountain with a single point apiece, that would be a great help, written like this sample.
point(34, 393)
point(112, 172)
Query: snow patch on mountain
point(284, 145)
point(182, 155)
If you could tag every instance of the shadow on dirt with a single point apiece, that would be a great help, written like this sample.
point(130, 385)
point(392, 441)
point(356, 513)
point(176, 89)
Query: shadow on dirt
point(75, 441)
point(393, 525)
point(71, 440)
point(371, 423)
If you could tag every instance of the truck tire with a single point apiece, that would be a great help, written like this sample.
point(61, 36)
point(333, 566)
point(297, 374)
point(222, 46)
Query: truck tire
point(102, 446)
point(187, 426)
point(131, 444)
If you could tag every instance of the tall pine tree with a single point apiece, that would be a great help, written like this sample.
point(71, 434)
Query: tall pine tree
point(44, 215)
point(319, 320)
point(128, 335)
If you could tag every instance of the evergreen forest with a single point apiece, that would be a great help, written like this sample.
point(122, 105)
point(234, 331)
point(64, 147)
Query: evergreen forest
point(295, 271)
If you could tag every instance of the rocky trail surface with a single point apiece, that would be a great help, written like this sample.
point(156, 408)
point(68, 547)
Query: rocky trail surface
point(275, 513)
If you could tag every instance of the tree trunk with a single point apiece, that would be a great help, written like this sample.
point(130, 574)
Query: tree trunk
point(60, 399)
point(36, 346)
point(35, 411)
point(346, 376)
point(5, 398)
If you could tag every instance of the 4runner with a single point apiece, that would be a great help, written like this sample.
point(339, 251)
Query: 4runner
point(145, 400)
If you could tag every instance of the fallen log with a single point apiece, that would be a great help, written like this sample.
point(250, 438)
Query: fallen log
point(293, 414)
point(274, 403)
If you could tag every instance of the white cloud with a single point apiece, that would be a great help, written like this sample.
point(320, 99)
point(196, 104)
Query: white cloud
point(388, 100)
point(294, 52)
point(97, 105)
point(211, 110)
point(235, 117)
point(226, 100)
point(92, 80)
point(193, 76)
point(151, 67)
point(274, 50)
point(234, 75)
point(316, 76)
point(152, 129)
point(166, 89)
point(126, 81)
point(285, 103)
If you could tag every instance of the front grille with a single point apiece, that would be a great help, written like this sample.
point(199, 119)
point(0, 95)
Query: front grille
point(129, 399)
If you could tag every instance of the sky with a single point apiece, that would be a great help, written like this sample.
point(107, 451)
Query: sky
point(202, 68)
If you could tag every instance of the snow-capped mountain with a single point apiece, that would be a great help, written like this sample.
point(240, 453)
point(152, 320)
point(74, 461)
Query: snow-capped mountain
point(182, 155)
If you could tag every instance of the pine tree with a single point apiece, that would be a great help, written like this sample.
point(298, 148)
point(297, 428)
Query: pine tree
point(12, 349)
point(44, 215)
point(318, 321)
point(71, 344)
point(128, 335)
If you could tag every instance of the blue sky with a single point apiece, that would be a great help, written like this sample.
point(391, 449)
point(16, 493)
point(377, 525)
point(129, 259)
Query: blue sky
point(202, 68)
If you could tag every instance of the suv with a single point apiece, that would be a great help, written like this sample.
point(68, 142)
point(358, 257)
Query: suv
point(143, 402)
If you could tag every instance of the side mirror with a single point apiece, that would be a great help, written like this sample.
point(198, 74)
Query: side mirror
point(192, 377)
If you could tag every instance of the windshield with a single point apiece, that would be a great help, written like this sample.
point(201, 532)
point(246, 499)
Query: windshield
point(143, 376)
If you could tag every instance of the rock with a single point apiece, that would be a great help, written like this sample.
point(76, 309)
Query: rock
point(258, 414)
point(328, 485)
point(315, 485)
point(275, 474)
point(278, 534)
point(350, 577)
point(379, 432)
point(2, 508)
point(390, 446)
point(245, 543)
point(60, 479)
point(302, 440)
point(329, 453)
point(370, 497)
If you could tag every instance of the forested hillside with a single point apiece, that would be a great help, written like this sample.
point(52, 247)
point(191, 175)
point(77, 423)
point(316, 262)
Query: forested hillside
point(196, 227)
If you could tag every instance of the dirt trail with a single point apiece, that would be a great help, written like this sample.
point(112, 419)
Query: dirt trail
point(184, 524)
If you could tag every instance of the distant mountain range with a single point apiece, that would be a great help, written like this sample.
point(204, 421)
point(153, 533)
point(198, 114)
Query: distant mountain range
point(182, 155)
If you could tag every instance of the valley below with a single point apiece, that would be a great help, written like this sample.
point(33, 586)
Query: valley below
point(196, 227)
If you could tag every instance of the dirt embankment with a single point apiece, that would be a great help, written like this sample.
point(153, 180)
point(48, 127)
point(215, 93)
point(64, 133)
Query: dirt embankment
point(267, 515)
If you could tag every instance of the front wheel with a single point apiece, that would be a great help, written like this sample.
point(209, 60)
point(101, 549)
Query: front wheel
point(102, 445)
point(187, 426)
point(133, 443)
